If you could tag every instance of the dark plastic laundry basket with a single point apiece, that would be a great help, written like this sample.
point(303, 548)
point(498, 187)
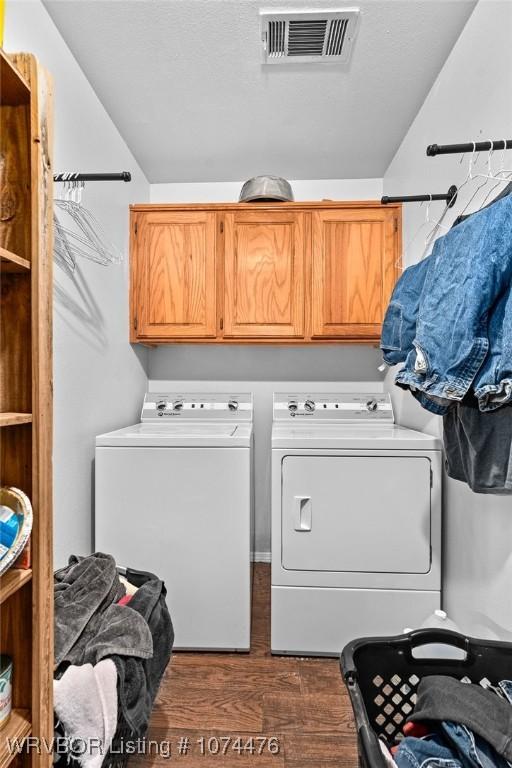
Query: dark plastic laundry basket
point(382, 677)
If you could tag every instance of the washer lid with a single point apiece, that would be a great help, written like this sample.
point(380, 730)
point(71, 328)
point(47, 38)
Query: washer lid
point(348, 436)
point(186, 434)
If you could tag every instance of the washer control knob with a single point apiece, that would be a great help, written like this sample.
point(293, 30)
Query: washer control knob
point(292, 406)
point(233, 405)
point(161, 405)
point(372, 405)
point(177, 405)
point(309, 406)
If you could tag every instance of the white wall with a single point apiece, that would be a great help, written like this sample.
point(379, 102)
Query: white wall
point(269, 368)
point(99, 379)
point(228, 191)
point(470, 100)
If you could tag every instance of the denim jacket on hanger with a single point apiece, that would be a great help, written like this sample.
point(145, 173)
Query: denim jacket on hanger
point(493, 384)
point(399, 326)
point(471, 269)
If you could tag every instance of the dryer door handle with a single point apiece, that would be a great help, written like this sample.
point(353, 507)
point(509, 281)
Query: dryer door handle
point(302, 513)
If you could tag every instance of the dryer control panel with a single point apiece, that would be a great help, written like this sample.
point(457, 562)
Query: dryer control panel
point(366, 407)
point(198, 407)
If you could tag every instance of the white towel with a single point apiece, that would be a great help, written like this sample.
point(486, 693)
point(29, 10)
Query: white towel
point(85, 701)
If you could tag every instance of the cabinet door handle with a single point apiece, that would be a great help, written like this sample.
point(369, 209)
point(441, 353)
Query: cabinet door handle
point(302, 513)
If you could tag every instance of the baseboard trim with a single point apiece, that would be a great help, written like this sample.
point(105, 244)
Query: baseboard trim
point(261, 557)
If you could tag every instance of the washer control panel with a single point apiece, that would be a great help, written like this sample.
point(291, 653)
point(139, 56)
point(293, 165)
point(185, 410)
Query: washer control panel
point(367, 407)
point(201, 407)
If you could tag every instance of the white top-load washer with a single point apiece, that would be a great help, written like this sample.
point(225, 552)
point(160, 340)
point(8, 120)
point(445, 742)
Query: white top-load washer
point(174, 497)
point(356, 522)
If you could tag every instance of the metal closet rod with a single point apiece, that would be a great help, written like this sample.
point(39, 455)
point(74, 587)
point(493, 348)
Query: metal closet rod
point(123, 176)
point(469, 146)
point(449, 197)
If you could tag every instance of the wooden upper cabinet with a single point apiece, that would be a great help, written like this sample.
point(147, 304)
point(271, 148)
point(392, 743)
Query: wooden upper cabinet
point(264, 274)
point(174, 275)
point(354, 266)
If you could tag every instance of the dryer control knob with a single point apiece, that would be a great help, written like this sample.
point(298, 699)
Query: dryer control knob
point(161, 405)
point(233, 405)
point(309, 406)
point(292, 406)
point(372, 405)
point(178, 405)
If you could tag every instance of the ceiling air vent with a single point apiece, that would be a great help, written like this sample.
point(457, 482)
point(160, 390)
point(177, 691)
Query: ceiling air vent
point(312, 36)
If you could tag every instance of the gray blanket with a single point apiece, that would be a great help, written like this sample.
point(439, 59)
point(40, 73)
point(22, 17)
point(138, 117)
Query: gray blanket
point(88, 624)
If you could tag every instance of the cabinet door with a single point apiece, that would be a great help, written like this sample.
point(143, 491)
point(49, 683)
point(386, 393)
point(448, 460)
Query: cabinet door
point(173, 275)
point(354, 252)
point(264, 274)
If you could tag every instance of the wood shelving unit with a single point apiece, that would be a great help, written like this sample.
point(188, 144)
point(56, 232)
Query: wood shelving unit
point(26, 596)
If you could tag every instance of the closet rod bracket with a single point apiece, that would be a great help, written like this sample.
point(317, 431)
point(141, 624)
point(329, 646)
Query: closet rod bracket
point(449, 197)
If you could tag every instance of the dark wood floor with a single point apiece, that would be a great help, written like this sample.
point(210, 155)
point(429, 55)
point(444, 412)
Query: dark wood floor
point(300, 702)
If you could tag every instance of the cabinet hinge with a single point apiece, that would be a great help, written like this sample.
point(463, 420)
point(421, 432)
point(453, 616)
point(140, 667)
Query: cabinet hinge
point(135, 323)
point(221, 227)
point(221, 324)
point(396, 225)
point(136, 227)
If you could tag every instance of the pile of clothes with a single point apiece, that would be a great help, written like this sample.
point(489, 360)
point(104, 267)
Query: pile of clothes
point(457, 725)
point(113, 641)
point(449, 322)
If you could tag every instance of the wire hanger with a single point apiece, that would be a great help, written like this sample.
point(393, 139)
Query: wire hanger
point(401, 261)
point(485, 176)
point(502, 176)
point(90, 241)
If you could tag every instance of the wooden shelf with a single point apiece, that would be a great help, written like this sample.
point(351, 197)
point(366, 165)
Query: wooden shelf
point(18, 727)
point(11, 262)
point(12, 580)
point(9, 419)
point(15, 89)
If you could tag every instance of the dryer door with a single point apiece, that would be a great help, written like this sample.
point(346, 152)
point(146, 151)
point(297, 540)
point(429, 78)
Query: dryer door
point(356, 513)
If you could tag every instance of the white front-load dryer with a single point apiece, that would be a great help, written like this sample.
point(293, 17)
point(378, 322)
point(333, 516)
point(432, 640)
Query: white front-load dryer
point(356, 522)
point(174, 497)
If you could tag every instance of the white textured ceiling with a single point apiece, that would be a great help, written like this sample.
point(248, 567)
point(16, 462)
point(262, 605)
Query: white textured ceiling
point(184, 83)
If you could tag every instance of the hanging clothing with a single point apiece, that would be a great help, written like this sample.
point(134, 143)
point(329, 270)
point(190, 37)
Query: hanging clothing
point(478, 446)
point(493, 383)
point(472, 267)
point(450, 321)
point(399, 326)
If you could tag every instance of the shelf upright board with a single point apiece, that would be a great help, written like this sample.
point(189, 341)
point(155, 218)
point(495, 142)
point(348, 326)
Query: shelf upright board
point(26, 246)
